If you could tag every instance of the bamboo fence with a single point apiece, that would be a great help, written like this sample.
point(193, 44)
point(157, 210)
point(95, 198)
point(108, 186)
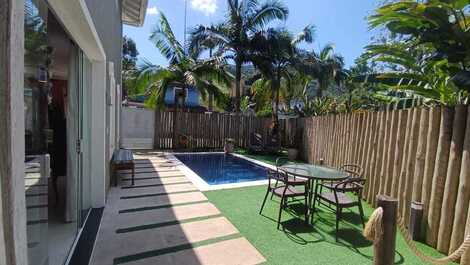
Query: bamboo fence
point(209, 131)
point(420, 154)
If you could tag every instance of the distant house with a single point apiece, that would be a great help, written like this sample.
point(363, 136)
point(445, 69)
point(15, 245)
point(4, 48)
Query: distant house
point(191, 103)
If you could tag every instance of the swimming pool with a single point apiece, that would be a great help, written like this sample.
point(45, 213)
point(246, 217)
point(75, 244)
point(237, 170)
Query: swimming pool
point(219, 168)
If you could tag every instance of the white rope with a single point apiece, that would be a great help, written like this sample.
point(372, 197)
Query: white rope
point(374, 230)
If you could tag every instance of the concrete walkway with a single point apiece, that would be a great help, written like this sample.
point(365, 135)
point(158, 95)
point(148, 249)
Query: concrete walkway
point(165, 219)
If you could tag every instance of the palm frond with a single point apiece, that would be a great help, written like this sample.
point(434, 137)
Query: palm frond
point(266, 13)
point(164, 39)
point(306, 35)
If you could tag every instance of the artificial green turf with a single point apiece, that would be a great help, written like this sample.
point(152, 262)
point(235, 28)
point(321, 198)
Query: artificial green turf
point(300, 244)
point(267, 158)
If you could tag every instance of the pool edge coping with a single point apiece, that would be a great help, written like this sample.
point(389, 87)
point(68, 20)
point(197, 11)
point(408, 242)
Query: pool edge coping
point(202, 185)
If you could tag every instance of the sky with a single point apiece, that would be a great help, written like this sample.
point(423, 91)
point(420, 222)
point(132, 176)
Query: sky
point(341, 22)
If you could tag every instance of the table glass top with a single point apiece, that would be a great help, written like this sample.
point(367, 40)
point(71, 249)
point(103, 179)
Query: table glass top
point(314, 171)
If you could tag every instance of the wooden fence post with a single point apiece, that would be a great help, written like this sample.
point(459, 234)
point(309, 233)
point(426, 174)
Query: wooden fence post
point(452, 179)
point(466, 256)
point(439, 178)
point(463, 196)
point(420, 156)
point(431, 150)
point(384, 250)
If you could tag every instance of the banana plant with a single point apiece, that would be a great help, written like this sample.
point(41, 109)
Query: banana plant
point(442, 28)
point(418, 75)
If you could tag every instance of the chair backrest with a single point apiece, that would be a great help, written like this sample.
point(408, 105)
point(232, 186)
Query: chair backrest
point(355, 185)
point(292, 180)
point(256, 139)
point(276, 175)
point(273, 141)
point(354, 171)
point(280, 161)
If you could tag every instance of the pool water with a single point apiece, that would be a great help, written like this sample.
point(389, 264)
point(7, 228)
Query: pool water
point(219, 168)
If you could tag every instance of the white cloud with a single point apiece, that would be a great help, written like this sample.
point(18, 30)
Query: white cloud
point(207, 7)
point(152, 10)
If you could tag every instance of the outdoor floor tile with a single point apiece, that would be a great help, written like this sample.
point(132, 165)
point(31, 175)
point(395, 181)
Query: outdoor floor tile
point(148, 169)
point(164, 219)
point(162, 200)
point(179, 213)
point(150, 172)
point(156, 181)
point(169, 236)
point(231, 252)
point(160, 190)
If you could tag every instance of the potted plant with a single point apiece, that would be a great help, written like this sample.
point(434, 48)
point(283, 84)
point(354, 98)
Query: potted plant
point(293, 145)
point(229, 146)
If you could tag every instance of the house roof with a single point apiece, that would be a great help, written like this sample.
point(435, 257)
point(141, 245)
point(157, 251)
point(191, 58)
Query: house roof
point(133, 12)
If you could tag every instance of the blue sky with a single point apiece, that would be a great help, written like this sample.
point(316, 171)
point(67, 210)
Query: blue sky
point(341, 22)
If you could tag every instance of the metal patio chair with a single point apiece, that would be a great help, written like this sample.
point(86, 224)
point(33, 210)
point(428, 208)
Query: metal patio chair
point(337, 196)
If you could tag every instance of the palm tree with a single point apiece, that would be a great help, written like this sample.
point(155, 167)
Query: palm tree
point(232, 37)
point(201, 39)
point(328, 67)
point(207, 76)
point(275, 55)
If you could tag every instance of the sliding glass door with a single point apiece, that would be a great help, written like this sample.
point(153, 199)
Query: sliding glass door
point(57, 132)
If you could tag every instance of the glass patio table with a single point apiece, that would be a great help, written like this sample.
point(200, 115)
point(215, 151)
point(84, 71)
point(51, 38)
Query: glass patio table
point(313, 173)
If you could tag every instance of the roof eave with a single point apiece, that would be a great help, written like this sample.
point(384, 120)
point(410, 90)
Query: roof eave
point(133, 12)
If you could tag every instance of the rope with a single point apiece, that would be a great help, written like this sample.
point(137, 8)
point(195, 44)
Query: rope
point(374, 227)
point(374, 230)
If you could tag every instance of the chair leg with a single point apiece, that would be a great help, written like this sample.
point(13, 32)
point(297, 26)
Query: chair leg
point(275, 186)
point(338, 218)
point(361, 213)
point(321, 190)
point(281, 205)
point(306, 208)
point(313, 201)
point(264, 201)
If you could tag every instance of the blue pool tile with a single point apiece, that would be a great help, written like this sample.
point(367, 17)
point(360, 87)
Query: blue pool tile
point(220, 168)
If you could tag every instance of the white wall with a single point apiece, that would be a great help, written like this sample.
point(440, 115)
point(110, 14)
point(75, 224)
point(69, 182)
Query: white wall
point(137, 128)
point(13, 243)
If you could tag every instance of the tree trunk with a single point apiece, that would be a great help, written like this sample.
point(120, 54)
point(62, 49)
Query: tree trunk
point(238, 77)
point(278, 87)
point(320, 88)
point(211, 96)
